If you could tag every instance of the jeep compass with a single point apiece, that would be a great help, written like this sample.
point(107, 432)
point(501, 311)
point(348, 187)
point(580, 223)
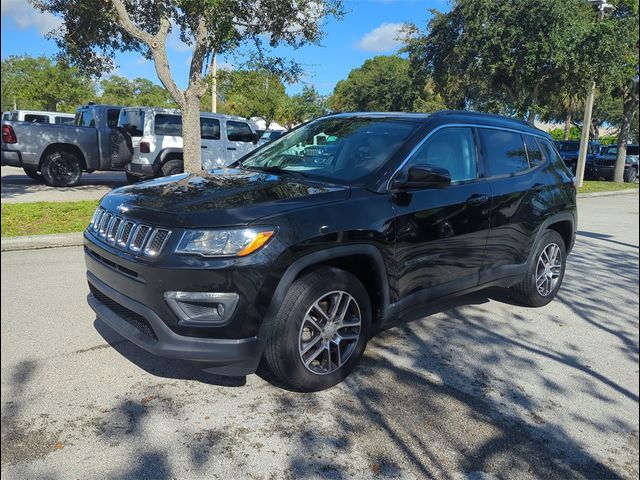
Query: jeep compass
point(297, 253)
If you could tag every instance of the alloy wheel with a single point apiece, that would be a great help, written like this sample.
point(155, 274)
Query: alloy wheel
point(548, 269)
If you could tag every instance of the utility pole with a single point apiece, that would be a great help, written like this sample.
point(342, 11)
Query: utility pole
point(214, 84)
point(602, 6)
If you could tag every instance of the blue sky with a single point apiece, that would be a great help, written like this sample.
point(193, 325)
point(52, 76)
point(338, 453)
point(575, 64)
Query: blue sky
point(368, 29)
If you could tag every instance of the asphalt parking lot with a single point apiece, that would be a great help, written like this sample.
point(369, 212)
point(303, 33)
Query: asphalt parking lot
point(18, 187)
point(478, 387)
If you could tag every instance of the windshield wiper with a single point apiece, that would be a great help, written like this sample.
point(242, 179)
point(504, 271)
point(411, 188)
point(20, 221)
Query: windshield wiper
point(275, 169)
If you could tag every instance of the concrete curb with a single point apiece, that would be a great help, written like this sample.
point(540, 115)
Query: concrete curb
point(36, 242)
point(630, 191)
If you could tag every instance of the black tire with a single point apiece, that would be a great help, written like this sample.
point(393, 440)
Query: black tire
point(61, 168)
point(284, 340)
point(131, 179)
point(33, 173)
point(631, 175)
point(120, 147)
point(172, 167)
point(526, 292)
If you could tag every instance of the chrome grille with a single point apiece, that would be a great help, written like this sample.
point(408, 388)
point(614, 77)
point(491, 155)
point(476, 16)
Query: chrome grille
point(127, 234)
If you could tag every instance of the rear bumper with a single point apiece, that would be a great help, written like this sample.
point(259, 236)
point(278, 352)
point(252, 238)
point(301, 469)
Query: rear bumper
point(140, 325)
point(11, 158)
point(142, 170)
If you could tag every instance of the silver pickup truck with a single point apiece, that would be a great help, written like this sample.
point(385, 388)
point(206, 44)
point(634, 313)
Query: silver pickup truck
point(60, 153)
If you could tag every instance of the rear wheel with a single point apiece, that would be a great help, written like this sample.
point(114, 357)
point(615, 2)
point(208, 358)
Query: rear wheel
point(320, 331)
point(62, 168)
point(631, 175)
point(33, 173)
point(172, 167)
point(545, 272)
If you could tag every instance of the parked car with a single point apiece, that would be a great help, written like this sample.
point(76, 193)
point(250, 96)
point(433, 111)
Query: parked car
point(60, 153)
point(603, 165)
point(298, 259)
point(270, 135)
point(156, 140)
point(39, 116)
point(569, 152)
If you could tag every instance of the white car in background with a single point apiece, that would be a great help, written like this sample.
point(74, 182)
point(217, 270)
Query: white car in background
point(156, 140)
point(39, 116)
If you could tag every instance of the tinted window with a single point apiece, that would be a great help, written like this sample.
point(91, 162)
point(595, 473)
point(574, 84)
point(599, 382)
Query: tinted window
point(84, 118)
point(64, 120)
point(533, 151)
point(209, 128)
point(568, 146)
point(504, 152)
point(132, 121)
point(239, 132)
point(168, 125)
point(451, 148)
point(550, 153)
point(632, 149)
point(112, 117)
point(30, 117)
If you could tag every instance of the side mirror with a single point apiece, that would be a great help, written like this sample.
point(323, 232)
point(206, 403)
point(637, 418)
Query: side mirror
point(423, 176)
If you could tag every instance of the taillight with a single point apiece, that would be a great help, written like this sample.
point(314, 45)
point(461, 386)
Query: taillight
point(145, 147)
point(8, 135)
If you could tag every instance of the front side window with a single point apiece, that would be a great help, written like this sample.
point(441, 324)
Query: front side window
point(209, 128)
point(84, 118)
point(354, 148)
point(168, 125)
point(112, 117)
point(451, 148)
point(504, 152)
point(239, 132)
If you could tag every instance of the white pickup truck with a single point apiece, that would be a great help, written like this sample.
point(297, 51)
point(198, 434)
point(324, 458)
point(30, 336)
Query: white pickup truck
point(60, 153)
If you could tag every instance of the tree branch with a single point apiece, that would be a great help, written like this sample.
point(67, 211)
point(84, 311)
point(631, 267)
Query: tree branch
point(197, 86)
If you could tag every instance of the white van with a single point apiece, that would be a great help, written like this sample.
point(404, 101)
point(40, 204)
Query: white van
point(39, 116)
point(156, 140)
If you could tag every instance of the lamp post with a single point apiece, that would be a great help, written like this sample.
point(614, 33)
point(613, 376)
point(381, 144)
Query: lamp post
point(603, 6)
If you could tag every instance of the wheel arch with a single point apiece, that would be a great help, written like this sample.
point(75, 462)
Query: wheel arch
point(55, 147)
point(564, 223)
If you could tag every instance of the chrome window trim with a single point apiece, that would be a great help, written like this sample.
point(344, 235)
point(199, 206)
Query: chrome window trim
point(449, 125)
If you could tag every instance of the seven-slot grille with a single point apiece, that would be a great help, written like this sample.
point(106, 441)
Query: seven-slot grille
point(127, 234)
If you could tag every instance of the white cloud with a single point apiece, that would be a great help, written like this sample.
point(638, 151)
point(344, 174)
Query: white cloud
point(384, 38)
point(25, 16)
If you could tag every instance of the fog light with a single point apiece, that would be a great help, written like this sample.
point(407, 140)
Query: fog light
point(202, 308)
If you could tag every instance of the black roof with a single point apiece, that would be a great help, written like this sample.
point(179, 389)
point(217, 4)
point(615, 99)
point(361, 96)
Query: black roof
point(457, 116)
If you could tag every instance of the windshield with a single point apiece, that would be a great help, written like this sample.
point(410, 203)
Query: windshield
point(610, 150)
point(341, 149)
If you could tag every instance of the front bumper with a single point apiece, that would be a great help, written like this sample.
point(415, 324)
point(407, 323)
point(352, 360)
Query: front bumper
point(142, 326)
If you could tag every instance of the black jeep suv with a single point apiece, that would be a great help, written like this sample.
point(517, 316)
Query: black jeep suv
point(298, 252)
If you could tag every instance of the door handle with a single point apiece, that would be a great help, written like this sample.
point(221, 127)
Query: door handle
point(231, 148)
point(475, 200)
point(203, 146)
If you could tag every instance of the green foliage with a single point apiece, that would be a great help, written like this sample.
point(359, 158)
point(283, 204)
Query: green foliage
point(383, 83)
point(38, 83)
point(117, 90)
point(302, 107)
point(558, 133)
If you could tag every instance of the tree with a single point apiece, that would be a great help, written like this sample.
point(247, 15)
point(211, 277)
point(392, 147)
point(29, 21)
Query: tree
point(302, 107)
point(38, 83)
point(117, 90)
point(504, 56)
point(94, 30)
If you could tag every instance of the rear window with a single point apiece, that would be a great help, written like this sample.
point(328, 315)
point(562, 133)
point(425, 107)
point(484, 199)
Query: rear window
point(33, 118)
point(504, 151)
point(533, 151)
point(209, 128)
point(132, 121)
point(64, 120)
point(239, 132)
point(168, 125)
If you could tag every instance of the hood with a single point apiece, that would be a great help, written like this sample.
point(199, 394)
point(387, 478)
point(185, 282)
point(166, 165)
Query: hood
point(218, 198)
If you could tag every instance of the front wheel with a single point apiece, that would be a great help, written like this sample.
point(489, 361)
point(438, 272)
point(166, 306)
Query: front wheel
point(545, 272)
point(62, 168)
point(320, 331)
point(631, 175)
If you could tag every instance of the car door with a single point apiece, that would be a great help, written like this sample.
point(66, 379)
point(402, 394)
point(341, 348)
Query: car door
point(239, 140)
point(213, 149)
point(517, 191)
point(441, 233)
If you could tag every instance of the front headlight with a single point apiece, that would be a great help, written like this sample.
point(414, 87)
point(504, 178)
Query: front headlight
point(234, 242)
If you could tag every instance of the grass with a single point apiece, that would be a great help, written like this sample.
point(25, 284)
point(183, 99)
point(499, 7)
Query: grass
point(593, 186)
point(41, 218)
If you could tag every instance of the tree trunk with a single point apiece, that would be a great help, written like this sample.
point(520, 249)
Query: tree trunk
point(630, 107)
point(567, 127)
point(531, 116)
point(191, 150)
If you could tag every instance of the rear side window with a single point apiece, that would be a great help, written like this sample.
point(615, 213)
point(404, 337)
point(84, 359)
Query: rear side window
point(132, 121)
point(239, 132)
point(64, 120)
point(30, 117)
point(169, 125)
point(451, 148)
point(504, 152)
point(533, 151)
point(209, 128)
point(550, 152)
